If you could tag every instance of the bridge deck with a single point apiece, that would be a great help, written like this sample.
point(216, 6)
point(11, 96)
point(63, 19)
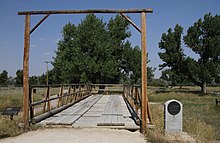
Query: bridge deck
point(96, 111)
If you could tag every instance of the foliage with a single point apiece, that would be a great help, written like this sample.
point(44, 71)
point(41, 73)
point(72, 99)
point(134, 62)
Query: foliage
point(96, 52)
point(19, 78)
point(4, 78)
point(33, 80)
point(172, 56)
point(204, 39)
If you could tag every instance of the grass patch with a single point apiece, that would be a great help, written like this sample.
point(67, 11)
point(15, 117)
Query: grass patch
point(12, 98)
point(201, 117)
point(9, 128)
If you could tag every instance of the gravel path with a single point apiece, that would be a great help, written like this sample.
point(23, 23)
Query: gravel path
point(70, 135)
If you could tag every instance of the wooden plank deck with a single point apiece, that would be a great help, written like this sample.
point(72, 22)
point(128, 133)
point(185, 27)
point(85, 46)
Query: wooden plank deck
point(108, 111)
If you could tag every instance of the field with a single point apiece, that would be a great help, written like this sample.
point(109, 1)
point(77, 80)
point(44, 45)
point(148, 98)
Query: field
point(201, 117)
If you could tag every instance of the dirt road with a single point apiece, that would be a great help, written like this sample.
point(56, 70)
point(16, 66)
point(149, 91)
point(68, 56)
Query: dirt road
point(70, 135)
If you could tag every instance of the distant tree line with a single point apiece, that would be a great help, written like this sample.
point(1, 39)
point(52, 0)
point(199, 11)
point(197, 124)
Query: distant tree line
point(6, 80)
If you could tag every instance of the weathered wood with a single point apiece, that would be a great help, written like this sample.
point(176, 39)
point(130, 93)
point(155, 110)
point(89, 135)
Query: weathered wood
point(86, 11)
point(47, 104)
point(38, 24)
point(26, 72)
point(55, 111)
point(60, 100)
point(144, 73)
point(72, 114)
point(136, 98)
point(131, 22)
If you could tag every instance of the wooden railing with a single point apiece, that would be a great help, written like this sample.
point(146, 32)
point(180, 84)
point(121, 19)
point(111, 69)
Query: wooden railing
point(132, 95)
point(55, 99)
point(48, 100)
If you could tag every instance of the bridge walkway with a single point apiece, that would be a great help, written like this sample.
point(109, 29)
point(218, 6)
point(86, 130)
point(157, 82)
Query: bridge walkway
point(108, 111)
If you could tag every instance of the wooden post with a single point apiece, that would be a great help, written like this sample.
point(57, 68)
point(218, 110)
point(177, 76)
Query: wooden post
point(26, 72)
point(144, 73)
point(136, 98)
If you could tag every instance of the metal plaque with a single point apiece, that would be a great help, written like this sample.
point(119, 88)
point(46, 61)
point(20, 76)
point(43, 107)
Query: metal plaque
point(174, 108)
point(11, 111)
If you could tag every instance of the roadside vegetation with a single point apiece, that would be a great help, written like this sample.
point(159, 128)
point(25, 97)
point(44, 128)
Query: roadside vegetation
point(10, 98)
point(201, 116)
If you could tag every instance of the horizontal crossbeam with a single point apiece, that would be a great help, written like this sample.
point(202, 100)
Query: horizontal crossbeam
point(85, 11)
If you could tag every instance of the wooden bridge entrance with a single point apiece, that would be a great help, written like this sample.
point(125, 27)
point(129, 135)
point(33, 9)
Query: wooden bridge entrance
point(27, 32)
point(79, 106)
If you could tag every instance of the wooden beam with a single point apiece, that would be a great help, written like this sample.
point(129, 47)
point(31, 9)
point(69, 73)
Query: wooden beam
point(38, 24)
point(86, 11)
point(144, 73)
point(131, 22)
point(26, 72)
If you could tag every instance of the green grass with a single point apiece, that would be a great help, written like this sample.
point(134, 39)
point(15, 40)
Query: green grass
point(201, 117)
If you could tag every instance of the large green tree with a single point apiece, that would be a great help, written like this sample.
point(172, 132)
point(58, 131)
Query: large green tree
point(204, 39)
point(172, 55)
point(96, 52)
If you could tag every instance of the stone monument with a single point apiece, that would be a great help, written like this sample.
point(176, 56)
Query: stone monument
point(173, 113)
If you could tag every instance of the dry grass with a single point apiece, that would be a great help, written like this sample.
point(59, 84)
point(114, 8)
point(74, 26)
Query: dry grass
point(10, 98)
point(201, 117)
point(200, 114)
point(9, 128)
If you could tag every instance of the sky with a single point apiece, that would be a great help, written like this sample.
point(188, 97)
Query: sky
point(166, 14)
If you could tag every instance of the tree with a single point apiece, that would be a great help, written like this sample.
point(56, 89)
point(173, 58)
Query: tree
point(33, 80)
point(42, 79)
point(95, 52)
point(4, 78)
point(204, 39)
point(172, 55)
point(19, 78)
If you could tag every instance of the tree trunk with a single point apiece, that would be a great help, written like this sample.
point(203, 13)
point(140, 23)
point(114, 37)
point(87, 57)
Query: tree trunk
point(203, 88)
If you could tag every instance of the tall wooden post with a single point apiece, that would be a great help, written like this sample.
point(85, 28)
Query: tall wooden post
point(26, 72)
point(144, 73)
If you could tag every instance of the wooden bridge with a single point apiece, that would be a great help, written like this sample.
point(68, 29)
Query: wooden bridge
point(79, 106)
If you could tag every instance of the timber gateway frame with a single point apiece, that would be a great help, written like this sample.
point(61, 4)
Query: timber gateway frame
point(145, 111)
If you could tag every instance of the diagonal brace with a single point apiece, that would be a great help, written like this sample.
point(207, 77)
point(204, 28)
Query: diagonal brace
point(38, 24)
point(131, 22)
